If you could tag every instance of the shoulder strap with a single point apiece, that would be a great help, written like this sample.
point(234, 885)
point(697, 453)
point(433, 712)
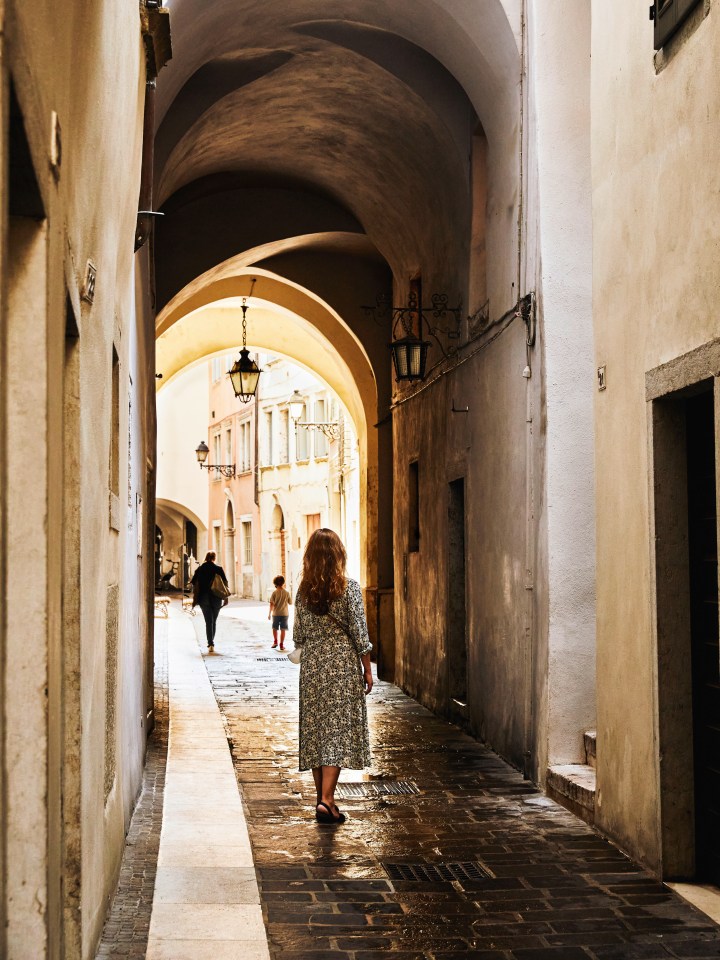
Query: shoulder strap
point(339, 624)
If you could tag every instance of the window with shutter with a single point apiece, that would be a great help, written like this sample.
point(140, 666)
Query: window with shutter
point(321, 441)
point(284, 438)
point(302, 444)
point(669, 15)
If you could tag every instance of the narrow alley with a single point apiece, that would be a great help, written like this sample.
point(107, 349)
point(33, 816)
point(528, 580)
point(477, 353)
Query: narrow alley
point(436, 278)
point(446, 852)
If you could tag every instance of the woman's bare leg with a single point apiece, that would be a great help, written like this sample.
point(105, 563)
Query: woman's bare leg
point(317, 777)
point(329, 782)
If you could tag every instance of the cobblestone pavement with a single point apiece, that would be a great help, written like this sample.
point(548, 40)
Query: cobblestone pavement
point(537, 884)
point(125, 933)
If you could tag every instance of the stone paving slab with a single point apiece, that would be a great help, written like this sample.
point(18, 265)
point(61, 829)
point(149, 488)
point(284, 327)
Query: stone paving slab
point(206, 896)
point(553, 889)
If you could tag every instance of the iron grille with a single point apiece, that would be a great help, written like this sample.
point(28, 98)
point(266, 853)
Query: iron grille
point(272, 660)
point(372, 788)
point(434, 872)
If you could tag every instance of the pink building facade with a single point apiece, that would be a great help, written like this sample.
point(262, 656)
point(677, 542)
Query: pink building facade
point(233, 511)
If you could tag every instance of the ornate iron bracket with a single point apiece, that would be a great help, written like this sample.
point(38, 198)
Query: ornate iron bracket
point(412, 319)
point(331, 430)
point(224, 469)
point(528, 314)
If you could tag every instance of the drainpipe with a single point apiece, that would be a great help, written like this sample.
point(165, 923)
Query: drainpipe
point(155, 30)
point(145, 210)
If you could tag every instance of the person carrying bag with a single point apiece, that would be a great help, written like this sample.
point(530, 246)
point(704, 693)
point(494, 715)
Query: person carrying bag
point(210, 593)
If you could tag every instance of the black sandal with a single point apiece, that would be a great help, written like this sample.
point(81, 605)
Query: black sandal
point(328, 817)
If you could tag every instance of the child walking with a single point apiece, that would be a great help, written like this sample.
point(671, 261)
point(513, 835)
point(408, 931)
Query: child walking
point(279, 610)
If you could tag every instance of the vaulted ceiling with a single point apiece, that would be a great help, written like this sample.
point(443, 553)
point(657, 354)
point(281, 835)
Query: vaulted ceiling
point(359, 109)
point(285, 121)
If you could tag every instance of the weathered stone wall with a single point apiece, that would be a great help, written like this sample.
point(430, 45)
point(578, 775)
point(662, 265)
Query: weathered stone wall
point(524, 446)
point(488, 447)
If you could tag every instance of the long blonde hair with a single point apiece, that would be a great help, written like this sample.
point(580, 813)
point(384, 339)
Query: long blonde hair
point(323, 576)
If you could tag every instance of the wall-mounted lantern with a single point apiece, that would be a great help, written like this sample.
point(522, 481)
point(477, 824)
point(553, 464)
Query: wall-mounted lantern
point(225, 469)
point(409, 349)
point(409, 357)
point(296, 407)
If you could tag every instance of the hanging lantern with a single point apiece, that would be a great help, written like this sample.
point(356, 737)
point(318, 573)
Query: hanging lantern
point(244, 376)
point(409, 357)
point(245, 373)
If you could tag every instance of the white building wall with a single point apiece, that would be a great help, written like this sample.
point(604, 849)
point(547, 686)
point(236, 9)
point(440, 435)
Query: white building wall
point(557, 244)
point(182, 411)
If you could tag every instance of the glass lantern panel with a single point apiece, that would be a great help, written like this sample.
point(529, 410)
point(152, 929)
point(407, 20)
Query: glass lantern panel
point(414, 357)
point(401, 360)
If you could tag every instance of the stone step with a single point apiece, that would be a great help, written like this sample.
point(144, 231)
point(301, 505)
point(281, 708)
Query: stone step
point(573, 785)
point(591, 748)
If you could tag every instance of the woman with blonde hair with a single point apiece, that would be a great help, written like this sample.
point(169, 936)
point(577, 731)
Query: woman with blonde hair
point(335, 674)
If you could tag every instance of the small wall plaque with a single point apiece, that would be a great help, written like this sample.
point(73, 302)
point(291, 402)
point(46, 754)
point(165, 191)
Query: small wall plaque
point(55, 145)
point(88, 293)
point(602, 379)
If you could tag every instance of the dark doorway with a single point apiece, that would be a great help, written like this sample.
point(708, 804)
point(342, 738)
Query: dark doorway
point(190, 550)
point(191, 538)
point(24, 198)
point(703, 556)
point(414, 507)
point(457, 612)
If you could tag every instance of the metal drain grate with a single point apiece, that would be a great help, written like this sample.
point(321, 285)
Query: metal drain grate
point(433, 872)
point(272, 659)
point(374, 788)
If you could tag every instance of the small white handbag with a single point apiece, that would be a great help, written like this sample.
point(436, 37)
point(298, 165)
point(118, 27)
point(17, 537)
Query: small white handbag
point(295, 655)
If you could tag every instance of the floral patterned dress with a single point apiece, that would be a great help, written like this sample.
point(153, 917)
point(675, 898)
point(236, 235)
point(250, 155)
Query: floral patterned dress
point(333, 715)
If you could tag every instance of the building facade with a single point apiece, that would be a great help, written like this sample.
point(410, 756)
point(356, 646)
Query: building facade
point(233, 501)
point(655, 272)
point(281, 480)
point(181, 511)
point(308, 478)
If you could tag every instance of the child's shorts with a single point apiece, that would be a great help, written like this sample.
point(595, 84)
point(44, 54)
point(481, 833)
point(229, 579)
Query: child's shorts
point(280, 623)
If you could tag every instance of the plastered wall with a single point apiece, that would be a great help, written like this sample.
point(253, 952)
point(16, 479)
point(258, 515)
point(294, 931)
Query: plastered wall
point(656, 273)
point(58, 525)
point(182, 407)
point(524, 446)
point(487, 446)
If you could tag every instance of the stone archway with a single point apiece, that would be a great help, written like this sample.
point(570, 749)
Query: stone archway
point(290, 320)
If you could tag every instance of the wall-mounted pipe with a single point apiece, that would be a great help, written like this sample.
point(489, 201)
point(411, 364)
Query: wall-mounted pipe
point(145, 210)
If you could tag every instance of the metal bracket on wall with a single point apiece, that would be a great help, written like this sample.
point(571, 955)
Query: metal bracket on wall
point(528, 314)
